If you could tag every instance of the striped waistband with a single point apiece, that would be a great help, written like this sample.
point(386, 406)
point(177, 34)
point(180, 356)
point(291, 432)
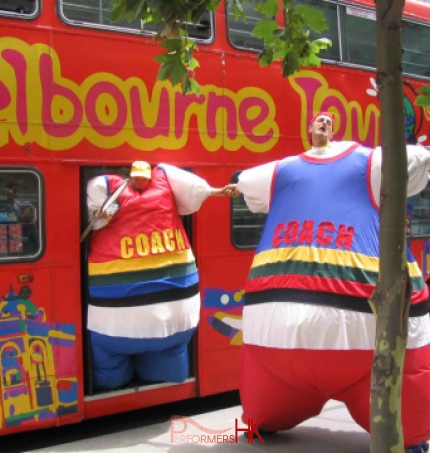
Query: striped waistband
point(145, 299)
point(358, 304)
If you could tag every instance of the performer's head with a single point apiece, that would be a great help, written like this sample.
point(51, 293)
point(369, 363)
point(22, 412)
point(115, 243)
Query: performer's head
point(321, 129)
point(140, 175)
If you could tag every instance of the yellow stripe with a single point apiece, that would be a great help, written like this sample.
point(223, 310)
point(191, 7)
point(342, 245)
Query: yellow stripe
point(61, 335)
point(140, 264)
point(336, 257)
point(414, 270)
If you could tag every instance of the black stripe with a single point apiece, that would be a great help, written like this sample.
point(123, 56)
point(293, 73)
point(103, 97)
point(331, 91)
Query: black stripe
point(310, 268)
point(359, 304)
point(146, 299)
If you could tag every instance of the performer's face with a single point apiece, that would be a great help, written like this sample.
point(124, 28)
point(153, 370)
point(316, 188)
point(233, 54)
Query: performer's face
point(321, 131)
point(139, 183)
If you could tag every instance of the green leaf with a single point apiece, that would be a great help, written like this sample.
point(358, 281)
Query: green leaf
point(424, 90)
point(264, 27)
point(173, 69)
point(265, 57)
point(311, 61)
point(172, 44)
point(290, 64)
point(128, 9)
point(269, 8)
point(321, 44)
point(312, 17)
point(193, 63)
point(423, 100)
point(186, 85)
point(195, 87)
point(162, 58)
point(237, 9)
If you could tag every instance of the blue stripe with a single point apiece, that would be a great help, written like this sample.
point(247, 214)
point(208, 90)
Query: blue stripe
point(147, 287)
point(123, 345)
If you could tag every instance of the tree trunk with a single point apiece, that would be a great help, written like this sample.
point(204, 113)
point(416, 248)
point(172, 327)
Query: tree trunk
point(391, 299)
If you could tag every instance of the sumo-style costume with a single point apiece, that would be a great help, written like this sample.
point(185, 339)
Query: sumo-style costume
point(308, 330)
point(144, 300)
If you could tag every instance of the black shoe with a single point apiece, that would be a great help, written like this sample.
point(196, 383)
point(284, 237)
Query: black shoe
point(421, 448)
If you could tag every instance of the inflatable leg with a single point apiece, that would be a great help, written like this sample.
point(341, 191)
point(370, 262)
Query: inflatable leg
point(111, 367)
point(415, 397)
point(265, 394)
point(166, 358)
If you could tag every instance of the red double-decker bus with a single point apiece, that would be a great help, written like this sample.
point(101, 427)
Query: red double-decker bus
point(79, 98)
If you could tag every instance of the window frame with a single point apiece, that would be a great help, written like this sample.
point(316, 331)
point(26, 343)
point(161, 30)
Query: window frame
point(227, 28)
point(41, 215)
point(125, 30)
point(23, 16)
point(341, 6)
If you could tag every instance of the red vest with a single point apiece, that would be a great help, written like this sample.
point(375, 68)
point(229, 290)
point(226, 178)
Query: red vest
point(146, 227)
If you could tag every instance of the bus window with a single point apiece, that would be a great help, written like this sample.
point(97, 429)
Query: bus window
point(416, 51)
point(246, 227)
point(358, 36)
point(19, 7)
point(418, 214)
point(93, 11)
point(239, 32)
point(98, 12)
point(329, 11)
point(20, 215)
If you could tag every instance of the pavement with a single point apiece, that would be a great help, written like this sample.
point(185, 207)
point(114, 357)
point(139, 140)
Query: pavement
point(332, 431)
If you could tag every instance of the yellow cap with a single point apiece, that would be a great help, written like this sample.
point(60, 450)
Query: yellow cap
point(141, 168)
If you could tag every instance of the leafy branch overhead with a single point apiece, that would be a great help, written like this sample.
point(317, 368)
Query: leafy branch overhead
point(423, 100)
point(290, 45)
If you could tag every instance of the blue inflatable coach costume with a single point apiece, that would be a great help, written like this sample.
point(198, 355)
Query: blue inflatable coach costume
point(144, 300)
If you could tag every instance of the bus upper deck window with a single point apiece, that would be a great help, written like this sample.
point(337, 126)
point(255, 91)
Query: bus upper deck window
point(97, 13)
point(416, 49)
point(359, 36)
point(19, 7)
point(329, 11)
point(240, 32)
point(20, 215)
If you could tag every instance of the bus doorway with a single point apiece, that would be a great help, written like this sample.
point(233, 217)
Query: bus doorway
point(88, 173)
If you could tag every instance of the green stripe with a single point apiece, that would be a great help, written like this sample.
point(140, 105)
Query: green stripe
point(324, 270)
point(142, 276)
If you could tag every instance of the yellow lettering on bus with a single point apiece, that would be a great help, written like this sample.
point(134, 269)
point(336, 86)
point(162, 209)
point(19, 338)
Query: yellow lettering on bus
point(109, 111)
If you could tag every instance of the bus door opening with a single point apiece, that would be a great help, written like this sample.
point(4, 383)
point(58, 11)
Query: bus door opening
point(88, 173)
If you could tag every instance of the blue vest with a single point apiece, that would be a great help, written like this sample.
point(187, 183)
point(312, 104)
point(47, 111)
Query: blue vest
point(322, 233)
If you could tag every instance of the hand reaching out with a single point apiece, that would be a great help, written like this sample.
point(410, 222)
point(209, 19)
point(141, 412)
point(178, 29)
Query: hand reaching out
point(231, 190)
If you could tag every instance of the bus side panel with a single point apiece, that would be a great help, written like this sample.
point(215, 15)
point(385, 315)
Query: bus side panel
point(420, 248)
point(40, 319)
point(223, 272)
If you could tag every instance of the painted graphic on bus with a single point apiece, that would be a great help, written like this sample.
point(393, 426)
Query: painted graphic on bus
point(37, 363)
